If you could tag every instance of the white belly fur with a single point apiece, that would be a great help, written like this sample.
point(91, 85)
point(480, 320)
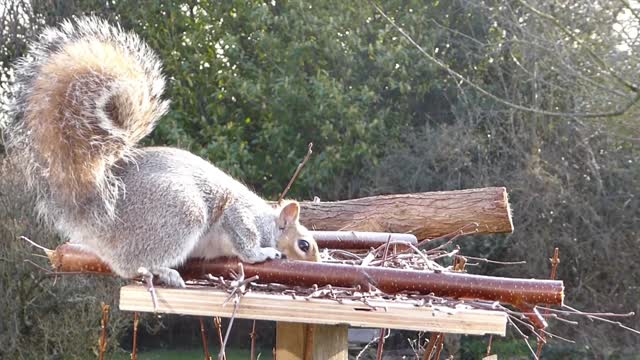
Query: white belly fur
point(215, 243)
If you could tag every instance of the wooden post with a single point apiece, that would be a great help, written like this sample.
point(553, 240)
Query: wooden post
point(328, 342)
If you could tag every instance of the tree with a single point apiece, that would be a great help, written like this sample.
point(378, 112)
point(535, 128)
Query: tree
point(545, 104)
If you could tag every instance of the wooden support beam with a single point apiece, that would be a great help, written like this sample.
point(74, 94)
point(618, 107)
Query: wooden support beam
point(205, 301)
point(425, 215)
point(328, 342)
point(290, 340)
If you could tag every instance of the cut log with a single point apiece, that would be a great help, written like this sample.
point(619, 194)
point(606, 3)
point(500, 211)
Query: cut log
point(425, 215)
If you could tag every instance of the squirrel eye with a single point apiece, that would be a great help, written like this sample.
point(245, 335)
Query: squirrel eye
point(303, 245)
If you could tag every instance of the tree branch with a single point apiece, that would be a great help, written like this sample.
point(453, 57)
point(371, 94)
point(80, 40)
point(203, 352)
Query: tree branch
point(500, 100)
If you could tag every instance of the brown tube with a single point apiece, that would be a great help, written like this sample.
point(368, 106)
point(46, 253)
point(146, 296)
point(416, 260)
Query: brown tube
point(454, 285)
point(517, 292)
point(73, 258)
point(359, 239)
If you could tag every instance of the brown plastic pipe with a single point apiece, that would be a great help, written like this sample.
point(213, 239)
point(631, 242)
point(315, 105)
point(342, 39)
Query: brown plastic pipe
point(359, 239)
point(512, 291)
point(517, 292)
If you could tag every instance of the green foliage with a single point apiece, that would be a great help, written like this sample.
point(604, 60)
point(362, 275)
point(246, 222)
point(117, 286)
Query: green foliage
point(510, 348)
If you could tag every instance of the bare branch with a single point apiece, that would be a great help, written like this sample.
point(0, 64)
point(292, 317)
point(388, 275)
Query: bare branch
point(621, 111)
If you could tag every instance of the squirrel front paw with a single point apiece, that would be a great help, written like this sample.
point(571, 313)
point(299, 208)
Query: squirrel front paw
point(271, 253)
point(261, 255)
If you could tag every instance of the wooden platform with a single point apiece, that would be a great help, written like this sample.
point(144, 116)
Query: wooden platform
point(204, 301)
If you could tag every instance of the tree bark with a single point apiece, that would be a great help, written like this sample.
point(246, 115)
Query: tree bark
point(426, 215)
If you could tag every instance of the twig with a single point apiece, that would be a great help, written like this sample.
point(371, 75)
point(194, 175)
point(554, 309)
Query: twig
point(35, 244)
point(45, 270)
point(344, 253)
point(309, 334)
point(497, 98)
point(369, 345)
point(428, 262)
point(440, 346)
point(566, 321)
point(556, 336)
point(433, 342)
point(239, 284)
point(489, 345)
point(203, 333)
point(415, 345)
point(524, 337)
point(593, 317)
point(134, 347)
point(452, 237)
point(582, 313)
point(459, 263)
point(147, 276)
point(296, 173)
point(383, 330)
point(555, 260)
point(527, 325)
point(217, 322)
point(522, 262)
point(236, 305)
point(103, 335)
point(253, 340)
point(79, 273)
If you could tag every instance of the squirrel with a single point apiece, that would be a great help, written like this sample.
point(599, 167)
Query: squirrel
point(85, 94)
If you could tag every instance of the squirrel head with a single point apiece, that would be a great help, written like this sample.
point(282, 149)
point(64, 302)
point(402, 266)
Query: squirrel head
point(294, 240)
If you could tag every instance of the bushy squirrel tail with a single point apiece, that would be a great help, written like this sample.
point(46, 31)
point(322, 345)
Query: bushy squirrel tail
point(84, 95)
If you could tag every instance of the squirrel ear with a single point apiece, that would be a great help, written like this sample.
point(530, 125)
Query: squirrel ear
point(289, 214)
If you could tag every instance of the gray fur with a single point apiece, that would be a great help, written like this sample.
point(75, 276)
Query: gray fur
point(171, 206)
point(171, 211)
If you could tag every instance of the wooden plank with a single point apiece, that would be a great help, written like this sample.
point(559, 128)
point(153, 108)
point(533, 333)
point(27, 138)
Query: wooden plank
point(205, 301)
